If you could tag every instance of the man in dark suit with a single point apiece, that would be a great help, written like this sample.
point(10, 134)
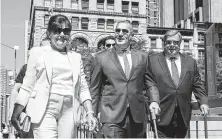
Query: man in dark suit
point(175, 76)
point(121, 71)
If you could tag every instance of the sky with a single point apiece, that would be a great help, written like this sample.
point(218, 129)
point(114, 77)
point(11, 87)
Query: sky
point(13, 16)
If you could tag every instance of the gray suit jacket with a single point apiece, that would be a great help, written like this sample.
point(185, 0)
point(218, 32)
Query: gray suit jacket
point(162, 83)
point(118, 91)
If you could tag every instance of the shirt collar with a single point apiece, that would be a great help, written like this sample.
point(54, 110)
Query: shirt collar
point(169, 57)
point(120, 51)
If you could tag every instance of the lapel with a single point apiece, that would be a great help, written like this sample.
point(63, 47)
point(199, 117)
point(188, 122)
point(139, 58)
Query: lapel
point(183, 68)
point(163, 64)
point(114, 58)
point(48, 62)
point(134, 57)
point(73, 60)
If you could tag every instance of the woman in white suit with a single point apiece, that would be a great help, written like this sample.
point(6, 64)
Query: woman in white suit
point(54, 86)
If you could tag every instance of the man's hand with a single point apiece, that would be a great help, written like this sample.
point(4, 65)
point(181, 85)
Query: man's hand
point(154, 106)
point(204, 108)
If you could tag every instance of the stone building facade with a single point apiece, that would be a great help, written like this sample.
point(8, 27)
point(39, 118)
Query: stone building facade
point(92, 20)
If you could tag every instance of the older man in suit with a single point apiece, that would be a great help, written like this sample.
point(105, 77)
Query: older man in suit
point(121, 71)
point(174, 77)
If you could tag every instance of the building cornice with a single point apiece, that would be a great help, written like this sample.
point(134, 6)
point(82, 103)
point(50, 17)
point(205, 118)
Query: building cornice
point(162, 31)
point(91, 12)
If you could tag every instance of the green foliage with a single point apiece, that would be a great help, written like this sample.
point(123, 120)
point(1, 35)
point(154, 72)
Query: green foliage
point(219, 74)
point(201, 67)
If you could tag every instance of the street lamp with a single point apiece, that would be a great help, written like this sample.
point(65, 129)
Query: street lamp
point(16, 47)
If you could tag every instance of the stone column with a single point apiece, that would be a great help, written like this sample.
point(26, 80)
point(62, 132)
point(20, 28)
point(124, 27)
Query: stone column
point(188, 24)
point(105, 5)
point(182, 45)
point(142, 7)
point(80, 4)
point(118, 6)
point(80, 23)
point(191, 44)
point(92, 5)
point(159, 44)
point(93, 23)
point(130, 7)
point(105, 25)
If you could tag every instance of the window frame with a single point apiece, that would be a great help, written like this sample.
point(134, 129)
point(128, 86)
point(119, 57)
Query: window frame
point(46, 20)
point(73, 23)
point(108, 26)
point(101, 25)
point(85, 24)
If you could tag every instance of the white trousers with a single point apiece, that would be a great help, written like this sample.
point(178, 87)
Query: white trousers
point(58, 119)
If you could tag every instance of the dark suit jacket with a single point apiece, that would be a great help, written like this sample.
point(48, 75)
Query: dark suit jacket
point(162, 82)
point(119, 91)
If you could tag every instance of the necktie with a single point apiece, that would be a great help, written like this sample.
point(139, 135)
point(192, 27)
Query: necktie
point(175, 72)
point(126, 64)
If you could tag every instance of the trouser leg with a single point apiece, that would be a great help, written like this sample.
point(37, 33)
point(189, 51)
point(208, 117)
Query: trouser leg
point(48, 128)
point(65, 122)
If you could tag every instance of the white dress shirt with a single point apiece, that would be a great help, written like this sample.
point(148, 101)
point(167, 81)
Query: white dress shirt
point(61, 74)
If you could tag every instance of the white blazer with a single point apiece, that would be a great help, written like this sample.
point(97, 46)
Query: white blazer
point(34, 92)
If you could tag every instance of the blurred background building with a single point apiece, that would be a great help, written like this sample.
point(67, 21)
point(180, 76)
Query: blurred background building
point(7, 82)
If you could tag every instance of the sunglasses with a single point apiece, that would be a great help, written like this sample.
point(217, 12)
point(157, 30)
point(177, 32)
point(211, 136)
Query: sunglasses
point(66, 31)
point(109, 45)
point(172, 42)
point(124, 31)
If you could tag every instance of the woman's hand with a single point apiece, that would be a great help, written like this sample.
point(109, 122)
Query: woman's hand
point(91, 122)
point(15, 117)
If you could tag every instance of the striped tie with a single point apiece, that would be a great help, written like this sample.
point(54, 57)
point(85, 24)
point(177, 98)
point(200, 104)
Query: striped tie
point(126, 65)
point(175, 72)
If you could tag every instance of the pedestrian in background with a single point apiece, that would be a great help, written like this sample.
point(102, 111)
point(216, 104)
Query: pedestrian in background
point(109, 42)
point(54, 86)
point(14, 94)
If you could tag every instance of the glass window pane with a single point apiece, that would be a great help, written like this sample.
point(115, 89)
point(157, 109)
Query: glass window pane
point(135, 25)
point(85, 22)
point(110, 5)
point(186, 44)
point(46, 20)
point(58, 3)
point(135, 7)
point(153, 42)
point(47, 3)
point(101, 24)
point(110, 24)
point(74, 4)
point(85, 4)
point(125, 6)
point(75, 23)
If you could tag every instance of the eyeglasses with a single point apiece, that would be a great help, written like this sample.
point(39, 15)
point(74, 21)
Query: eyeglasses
point(66, 31)
point(172, 42)
point(109, 45)
point(124, 31)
